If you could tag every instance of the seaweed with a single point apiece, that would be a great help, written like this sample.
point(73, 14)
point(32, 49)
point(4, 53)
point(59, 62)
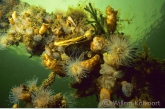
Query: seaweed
point(98, 20)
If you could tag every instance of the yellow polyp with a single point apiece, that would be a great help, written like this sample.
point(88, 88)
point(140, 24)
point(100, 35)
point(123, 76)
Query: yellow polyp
point(111, 18)
point(15, 106)
point(59, 16)
point(11, 21)
point(36, 31)
point(43, 28)
point(14, 15)
point(105, 94)
point(25, 96)
point(90, 63)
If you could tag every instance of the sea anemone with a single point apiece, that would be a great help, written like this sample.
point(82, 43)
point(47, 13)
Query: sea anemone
point(120, 51)
point(74, 69)
point(69, 100)
point(127, 88)
point(32, 82)
point(42, 97)
point(3, 42)
point(15, 94)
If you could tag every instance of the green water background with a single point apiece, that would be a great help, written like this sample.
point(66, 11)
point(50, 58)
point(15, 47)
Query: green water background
point(148, 25)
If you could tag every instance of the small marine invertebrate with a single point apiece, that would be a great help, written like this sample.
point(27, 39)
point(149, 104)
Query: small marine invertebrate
point(15, 94)
point(107, 69)
point(111, 19)
point(53, 65)
point(14, 15)
point(15, 106)
point(111, 71)
point(42, 97)
point(99, 44)
point(105, 96)
point(127, 88)
point(70, 21)
point(74, 69)
point(79, 68)
point(48, 39)
point(106, 81)
point(68, 100)
point(43, 28)
point(29, 32)
point(3, 42)
point(11, 21)
point(120, 51)
point(37, 38)
point(56, 55)
point(32, 82)
point(48, 50)
point(87, 36)
point(48, 18)
point(118, 74)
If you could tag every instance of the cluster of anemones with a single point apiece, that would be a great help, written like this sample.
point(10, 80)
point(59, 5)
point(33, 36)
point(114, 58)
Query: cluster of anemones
point(117, 51)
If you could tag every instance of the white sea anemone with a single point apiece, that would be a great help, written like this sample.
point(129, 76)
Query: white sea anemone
point(42, 97)
point(15, 94)
point(120, 51)
point(32, 82)
point(69, 99)
point(3, 42)
point(74, 69)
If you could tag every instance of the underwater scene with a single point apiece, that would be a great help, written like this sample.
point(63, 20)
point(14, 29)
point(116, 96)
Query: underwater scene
point(82, 53)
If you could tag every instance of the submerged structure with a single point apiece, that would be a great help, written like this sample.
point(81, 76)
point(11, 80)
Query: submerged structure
point(85, 45)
